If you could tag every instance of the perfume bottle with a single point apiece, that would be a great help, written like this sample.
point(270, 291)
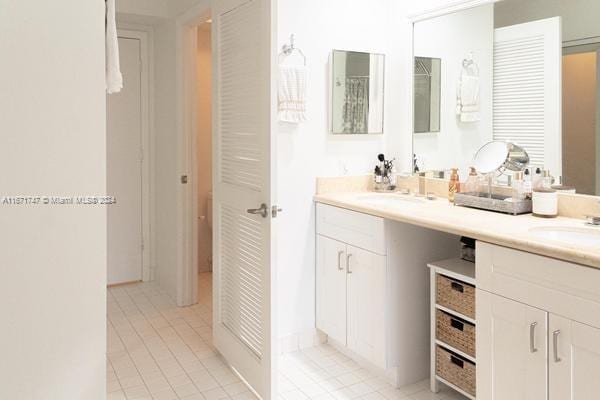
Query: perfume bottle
point(472, 182)
point(453, 185)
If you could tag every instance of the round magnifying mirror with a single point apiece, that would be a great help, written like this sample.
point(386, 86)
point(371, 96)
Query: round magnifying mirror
point(500, 156)
point(490, 157)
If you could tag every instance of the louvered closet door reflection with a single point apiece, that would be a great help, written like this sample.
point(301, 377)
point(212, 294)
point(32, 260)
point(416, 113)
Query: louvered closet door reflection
point(242, 87)
point(527, 90)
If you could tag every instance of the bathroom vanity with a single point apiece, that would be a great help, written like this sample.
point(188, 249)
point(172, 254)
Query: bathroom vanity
point(537, 297)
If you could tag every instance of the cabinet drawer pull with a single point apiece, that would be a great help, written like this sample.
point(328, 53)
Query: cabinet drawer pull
point(532, 347)
point(458, 287)
point(340, 260)
point(555, 335)
point(456, 324)
point(348, 270)
point(457, 361)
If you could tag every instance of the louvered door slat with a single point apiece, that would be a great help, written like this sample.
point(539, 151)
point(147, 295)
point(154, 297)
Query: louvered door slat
point(527, 90)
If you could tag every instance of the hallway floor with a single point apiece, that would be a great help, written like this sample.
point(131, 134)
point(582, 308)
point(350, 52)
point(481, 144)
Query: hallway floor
point(159, 351)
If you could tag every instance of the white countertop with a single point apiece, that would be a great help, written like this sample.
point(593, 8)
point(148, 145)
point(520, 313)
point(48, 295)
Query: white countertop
point(505, 230)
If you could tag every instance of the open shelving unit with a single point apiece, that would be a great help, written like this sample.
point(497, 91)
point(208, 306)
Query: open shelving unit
point(459, 270)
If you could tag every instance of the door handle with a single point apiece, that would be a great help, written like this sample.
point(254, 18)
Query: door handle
point(555, 335)
point(262, 211)
point(532, 348)
point(348, 270)
point(340, 260)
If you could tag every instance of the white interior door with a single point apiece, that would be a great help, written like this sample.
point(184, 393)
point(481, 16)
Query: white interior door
point(244, 104)
point(124, 169)
point(527, 89)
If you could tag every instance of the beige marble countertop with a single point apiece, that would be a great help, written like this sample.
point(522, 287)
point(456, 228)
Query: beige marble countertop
point(491, 227)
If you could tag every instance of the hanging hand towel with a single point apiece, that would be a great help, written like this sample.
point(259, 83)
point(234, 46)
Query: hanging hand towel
point(292, 93)
point(467, 97)
point(114, 79)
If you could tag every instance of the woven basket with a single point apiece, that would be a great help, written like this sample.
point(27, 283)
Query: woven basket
point(455, 369)
point(456, 295)
point(455, 332)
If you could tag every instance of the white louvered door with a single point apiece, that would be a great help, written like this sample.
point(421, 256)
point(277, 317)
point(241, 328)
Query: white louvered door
point(244, 57)
point(527, 90)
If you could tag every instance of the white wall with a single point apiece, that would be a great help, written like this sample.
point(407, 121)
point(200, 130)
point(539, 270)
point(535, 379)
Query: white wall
point(53, 262)
point(307, 150)
point(451, 38)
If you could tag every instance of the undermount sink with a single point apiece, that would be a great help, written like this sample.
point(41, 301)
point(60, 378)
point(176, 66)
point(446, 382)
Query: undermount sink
point(388, 199)
point(588, 237)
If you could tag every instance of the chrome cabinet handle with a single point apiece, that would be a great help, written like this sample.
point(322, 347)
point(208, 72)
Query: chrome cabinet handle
point(340, 260)
point(532, 348)
point(262, 211)
point(348, 263)
point(555, 335)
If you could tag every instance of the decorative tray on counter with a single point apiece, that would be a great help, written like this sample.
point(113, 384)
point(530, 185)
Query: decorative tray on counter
point(497, 202)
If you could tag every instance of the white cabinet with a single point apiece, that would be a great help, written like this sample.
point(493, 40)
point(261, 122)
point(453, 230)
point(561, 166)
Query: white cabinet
point(373, 289)
point(331, 287)
point(366, 304)
point(538, 335)
point(351, 298)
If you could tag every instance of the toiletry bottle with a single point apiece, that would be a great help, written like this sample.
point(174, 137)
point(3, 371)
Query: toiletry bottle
point(472, 182)
point(527, 187)
point(547, 179)
point(517, 186)
point(536, 179)
point(453, 185)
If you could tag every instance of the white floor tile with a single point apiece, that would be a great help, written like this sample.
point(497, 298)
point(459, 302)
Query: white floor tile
point(159, 351)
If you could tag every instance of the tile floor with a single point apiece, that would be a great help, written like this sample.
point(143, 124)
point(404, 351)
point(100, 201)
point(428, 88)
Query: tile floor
point(162, 352)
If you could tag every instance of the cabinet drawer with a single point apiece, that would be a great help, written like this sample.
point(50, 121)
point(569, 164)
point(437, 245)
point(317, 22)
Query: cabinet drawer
point(563, 288)
point(455, 295)
point(455, 332)
point(357, 229)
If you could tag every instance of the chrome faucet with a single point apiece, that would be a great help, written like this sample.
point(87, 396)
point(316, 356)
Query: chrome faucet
point(593, 220)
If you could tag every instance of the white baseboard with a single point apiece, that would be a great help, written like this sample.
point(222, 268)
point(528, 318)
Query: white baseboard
point(300, 341)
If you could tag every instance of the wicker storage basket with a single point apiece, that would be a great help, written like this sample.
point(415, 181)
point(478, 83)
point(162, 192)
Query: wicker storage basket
point(455, 332)
point(455, 369)
point(456, 295)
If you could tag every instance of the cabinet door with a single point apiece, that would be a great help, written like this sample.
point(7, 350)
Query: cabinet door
point(366, 304)
point(511, 349)
point(331, 288)
point(574, 360)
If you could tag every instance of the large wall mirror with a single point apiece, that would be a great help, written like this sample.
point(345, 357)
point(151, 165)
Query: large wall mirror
point(357, 81)
point(524, 71)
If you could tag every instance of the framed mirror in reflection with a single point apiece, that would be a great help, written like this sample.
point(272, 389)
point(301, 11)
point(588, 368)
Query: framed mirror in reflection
point(357, 92)
point(427, 86)
point(538, 80)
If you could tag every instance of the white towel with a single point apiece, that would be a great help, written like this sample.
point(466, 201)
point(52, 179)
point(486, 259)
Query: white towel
point(467, 96)
point(292, 93)
point(114, 79)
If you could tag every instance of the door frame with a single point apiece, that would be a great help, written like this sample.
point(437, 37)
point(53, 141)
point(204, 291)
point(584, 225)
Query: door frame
point(187, 124)
point(146, 149)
